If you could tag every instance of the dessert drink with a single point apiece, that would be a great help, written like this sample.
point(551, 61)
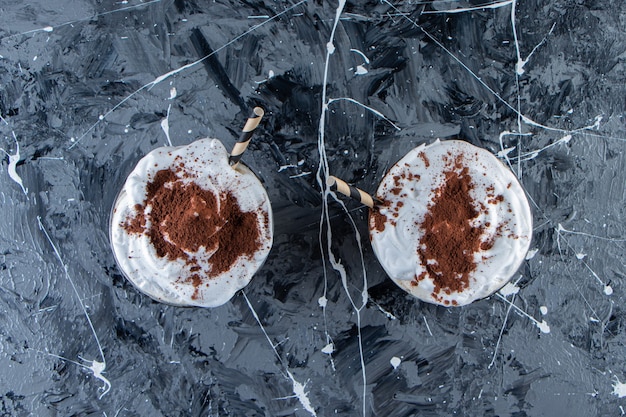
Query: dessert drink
point(187, 228)
point(453, 223)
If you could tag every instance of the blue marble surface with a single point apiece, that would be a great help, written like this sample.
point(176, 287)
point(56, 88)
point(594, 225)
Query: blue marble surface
point(89, 87)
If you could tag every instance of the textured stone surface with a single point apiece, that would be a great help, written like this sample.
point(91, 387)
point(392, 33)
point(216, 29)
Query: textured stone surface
point(85, 91)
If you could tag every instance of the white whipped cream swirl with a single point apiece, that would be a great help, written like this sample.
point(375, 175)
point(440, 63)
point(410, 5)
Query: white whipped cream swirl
point(504, 216)
point(204, 162)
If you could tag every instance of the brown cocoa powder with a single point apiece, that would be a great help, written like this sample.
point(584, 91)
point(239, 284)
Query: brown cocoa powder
point(449, 241)
point(196, 281)
point(183, 217)
point(136, 224)
point(377, 218)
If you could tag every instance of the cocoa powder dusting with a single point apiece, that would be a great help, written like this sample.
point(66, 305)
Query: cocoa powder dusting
point(378, 219)
point(196, 281)
point(238, 237)
point(185, 217)
point(137, 224)
point(449, 242)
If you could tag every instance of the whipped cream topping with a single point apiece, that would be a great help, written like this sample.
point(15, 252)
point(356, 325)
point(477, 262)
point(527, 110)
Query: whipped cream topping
point(498, 227)
point(192, 278)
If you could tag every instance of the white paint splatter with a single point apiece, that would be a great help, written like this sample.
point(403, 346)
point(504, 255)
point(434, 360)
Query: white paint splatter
point(328, 349)
point(596, 124)
point(581, 255)
point(531, 155)
point(435, 40)
point(325, 239)
point(543, 310)
point(427, 326)
point(519, 66)
point(96, 367)
point(284, 167)
point(395, 362)
point(527, 156)
point(301, 394)
point(12, 168)
point(173, 93)
point(506, 318)
point(360, 70)
point(389, 315)
point(509, 289)
point(351, 100)
point(298, 388)
point(561, 229)
point(505, 152)
point(302, 174)
point(165, 125)
point(167, 75)
point(322, 301)
point(543, 325)
point(608, 290)
point(494, 5)
point(619, 388)
point(365, 58)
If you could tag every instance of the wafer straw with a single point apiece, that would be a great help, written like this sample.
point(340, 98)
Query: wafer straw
point(244, 139)
point(344, 188)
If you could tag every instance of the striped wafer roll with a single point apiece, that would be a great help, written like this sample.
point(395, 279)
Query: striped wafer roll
point(344, 188)
point(246, 134)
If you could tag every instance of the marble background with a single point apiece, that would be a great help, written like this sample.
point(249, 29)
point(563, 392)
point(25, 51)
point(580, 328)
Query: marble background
point(90, 86)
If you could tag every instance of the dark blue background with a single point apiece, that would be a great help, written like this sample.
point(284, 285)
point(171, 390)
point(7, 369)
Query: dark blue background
point(84, 89)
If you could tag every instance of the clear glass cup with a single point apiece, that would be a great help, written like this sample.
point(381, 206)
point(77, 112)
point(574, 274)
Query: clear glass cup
point(179, 280)
point(454, 225)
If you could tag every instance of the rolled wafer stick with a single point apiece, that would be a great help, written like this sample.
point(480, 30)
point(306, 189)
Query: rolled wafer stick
point(344, 188)
point(244, 139)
